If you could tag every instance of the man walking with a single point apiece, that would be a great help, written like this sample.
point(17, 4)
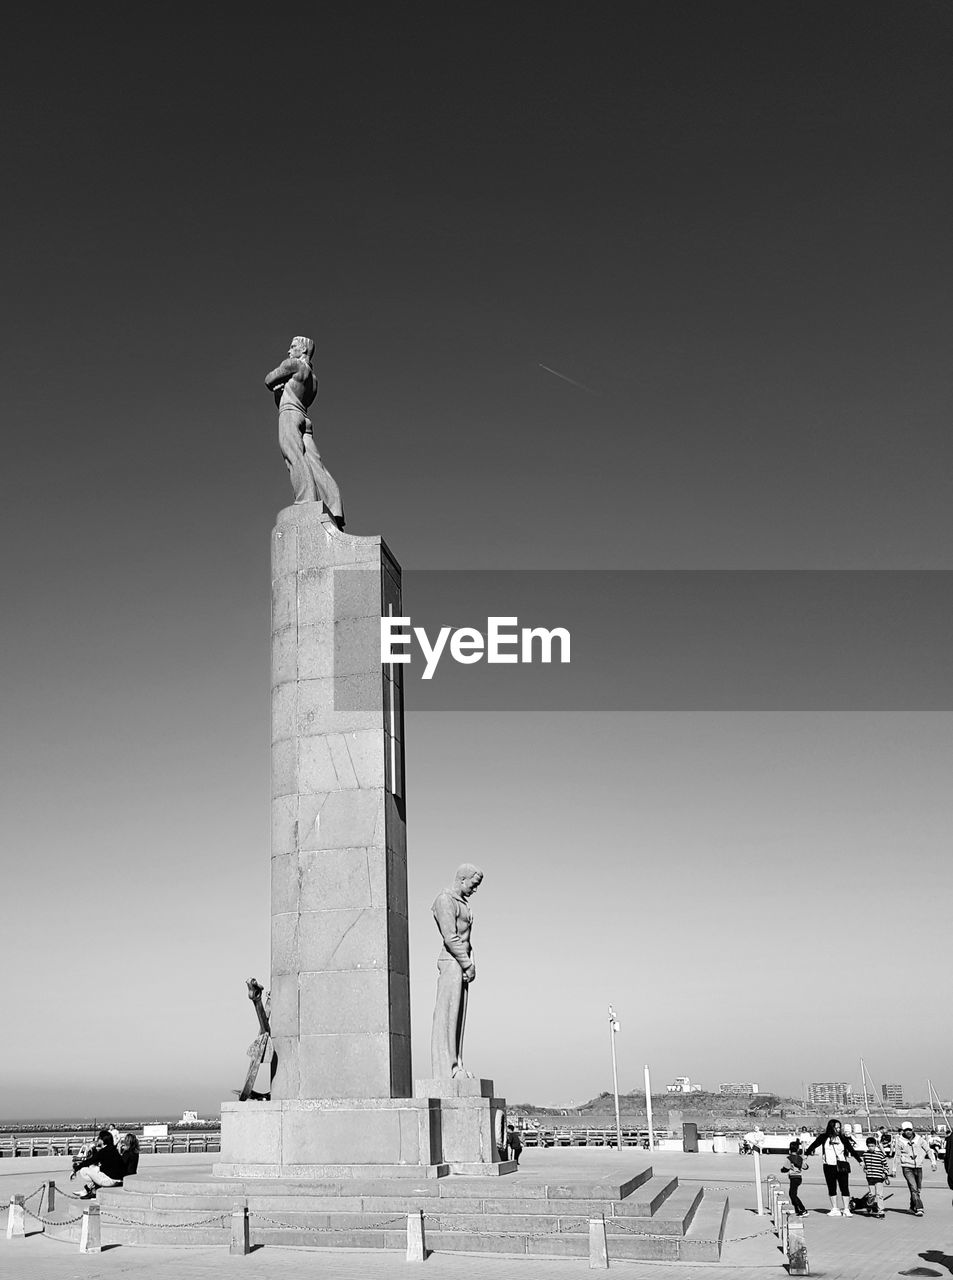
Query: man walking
point(913, 1150)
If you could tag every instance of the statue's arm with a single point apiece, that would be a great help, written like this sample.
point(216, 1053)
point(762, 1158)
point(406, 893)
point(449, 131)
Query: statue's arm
point(278, 377)
point(445, 914)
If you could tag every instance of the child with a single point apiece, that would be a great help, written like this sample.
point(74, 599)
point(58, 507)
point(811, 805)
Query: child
point(795, 1170)
point(875, 1167)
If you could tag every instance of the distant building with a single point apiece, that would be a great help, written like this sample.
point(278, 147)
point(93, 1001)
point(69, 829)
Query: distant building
point(189, 1117)
point(683, 1084)
point(738, 1088)
point(892, 1094)
point(829, 1095)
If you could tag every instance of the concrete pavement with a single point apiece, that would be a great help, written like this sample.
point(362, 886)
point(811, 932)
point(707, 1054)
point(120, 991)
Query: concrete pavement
point(849, 1249)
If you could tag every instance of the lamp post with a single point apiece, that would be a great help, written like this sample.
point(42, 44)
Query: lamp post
point(613, 1030)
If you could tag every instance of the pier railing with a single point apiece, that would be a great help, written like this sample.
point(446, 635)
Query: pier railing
point(70, 1144)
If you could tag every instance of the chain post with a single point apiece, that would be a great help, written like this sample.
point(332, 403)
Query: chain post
point(90, 1237)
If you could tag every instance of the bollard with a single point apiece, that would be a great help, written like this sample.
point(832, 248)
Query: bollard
point(797, 1250)
point(598, 1246)
point(16, 1224)
point(239, 1242)
point(416, 1243)
point(757, 1182)
point(779, 1203)
point(785, 1229)
point(50, 1198)
point(90, 1240)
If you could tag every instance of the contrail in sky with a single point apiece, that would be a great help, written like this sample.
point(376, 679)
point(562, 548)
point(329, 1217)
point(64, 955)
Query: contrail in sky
point(556, 374)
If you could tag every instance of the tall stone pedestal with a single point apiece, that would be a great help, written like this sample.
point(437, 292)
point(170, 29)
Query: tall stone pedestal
point(340, 990)
point(341, 1103)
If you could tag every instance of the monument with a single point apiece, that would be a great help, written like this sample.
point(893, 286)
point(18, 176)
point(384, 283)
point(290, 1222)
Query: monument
point(343, 1099)
point(349, 1150)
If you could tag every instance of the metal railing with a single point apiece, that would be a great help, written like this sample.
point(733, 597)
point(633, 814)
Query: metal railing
point(61, 1144)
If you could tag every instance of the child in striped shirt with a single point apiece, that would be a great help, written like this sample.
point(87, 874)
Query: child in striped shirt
point(875, 1167)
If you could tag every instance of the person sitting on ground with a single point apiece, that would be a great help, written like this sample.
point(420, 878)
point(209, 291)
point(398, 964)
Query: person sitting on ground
point(836, 1146)
point(102, 1167)
point(875, 1167)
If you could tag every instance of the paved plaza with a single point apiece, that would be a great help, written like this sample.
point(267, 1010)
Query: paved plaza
point(860, 1248)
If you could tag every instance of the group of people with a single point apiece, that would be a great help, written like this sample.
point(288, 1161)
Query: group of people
point(879, 1157)
point(112, 1156)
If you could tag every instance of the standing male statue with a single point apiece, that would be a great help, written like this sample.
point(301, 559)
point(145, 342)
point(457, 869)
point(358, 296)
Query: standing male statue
point(455, 972)
point(295, 388)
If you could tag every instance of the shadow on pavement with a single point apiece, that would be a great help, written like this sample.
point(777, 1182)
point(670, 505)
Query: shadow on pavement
point(939, 1258)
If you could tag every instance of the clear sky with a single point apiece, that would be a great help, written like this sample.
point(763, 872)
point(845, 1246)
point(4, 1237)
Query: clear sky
point(726, 229)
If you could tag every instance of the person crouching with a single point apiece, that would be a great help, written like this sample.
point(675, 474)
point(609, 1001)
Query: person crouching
point(102, 1166)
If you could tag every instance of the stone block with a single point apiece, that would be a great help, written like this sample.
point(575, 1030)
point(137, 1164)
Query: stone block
point(316, 768)
point(357, 593)
point(397, 882)
point(315, 595)
point(397, 957)
point(354, 1002)
point(284, 655)
point(360, 693)
point(284, 1004)
point(399, 996)
point(341, 940)
point(360, 755)
point(285, 887)
point(340, 819)
point(284, 768)
point(315, 658)
point(283, 601)
point(334, 879)
point(284, 944)
point(349, 1137)
point(287, 1081)
point(400, 1073)
point(251, 1133)
point(357, 646)
point(284, 709)
point(284, 550)
point(430, 1087)
point(356, 1065)
point(284, 824)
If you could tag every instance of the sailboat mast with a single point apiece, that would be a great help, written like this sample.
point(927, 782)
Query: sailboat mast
point(863, 1077)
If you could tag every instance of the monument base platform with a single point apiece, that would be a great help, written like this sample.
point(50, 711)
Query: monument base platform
point(331, 1138)
point(537, 1212)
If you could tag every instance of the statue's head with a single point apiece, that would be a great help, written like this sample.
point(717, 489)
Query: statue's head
point(467, 879)
point(301, 348)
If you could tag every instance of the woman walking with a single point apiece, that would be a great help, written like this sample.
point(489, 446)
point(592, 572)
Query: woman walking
point(836, 1149)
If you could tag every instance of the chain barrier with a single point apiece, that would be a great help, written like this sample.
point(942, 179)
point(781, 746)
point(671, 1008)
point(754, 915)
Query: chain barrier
point(292, 1226)
point(220, 1218)
point(52, 1222)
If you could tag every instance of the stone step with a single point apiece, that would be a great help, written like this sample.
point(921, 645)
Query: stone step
point(568, 1219)
point(643, 1194)
point(541, 1235)
point(522, 1185)
point(649, 1199)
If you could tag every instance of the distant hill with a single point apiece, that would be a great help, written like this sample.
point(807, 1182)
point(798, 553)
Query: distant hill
point(717, 1103)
